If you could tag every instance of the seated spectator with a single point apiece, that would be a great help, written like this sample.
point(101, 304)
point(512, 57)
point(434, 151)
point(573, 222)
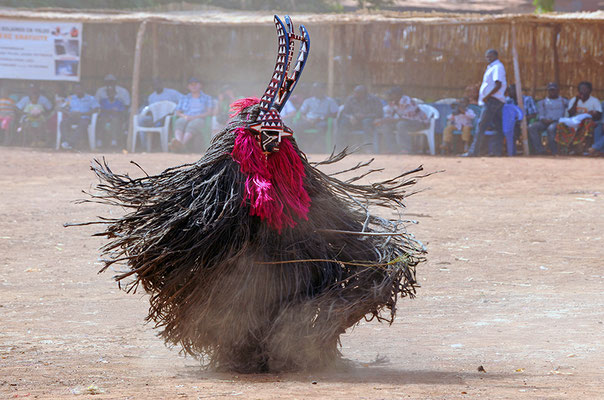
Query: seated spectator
point(549, 111)
point(573, 133)
point(111, 119)
point(413, 119)
point(190, 115)
point(461, 119)
point(121, 93)
point(314, 114)
point(385, 139)
point(226, 97)
point(360, 111)
point(34, 90)
point(32, 123)
point(7, 113)
point(530, 109)
point(160, 93)
point(76, 117)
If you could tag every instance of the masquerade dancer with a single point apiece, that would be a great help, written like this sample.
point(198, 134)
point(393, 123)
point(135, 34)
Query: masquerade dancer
point(253, 258)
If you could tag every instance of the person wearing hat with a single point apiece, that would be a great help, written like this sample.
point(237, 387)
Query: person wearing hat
point(121, 93)
point(549, 111)
point(190, 115)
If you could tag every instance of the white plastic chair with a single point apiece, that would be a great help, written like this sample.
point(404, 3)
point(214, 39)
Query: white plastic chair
point(158, 111)
point(91, 130)
point(433, 114)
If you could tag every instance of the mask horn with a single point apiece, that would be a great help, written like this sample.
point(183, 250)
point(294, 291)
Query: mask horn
point(291, 81)
point(280, 71)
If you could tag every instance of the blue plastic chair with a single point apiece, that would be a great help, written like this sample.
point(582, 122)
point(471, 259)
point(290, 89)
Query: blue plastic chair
point(509, 116)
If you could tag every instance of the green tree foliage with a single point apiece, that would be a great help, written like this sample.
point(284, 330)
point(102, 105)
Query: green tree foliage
point(543, 6)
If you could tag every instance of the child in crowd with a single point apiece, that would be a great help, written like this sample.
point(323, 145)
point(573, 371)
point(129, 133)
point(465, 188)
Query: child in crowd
point(7, 113)
point(33, 122)
point(461, 119)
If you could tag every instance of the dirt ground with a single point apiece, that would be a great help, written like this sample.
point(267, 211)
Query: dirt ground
point(514, 283)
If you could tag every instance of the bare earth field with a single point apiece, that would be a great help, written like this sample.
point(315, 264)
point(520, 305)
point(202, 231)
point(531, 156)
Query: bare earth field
point(514, 283)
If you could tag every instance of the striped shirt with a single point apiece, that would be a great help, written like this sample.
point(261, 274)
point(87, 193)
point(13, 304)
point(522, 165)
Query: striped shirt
point(7, 106)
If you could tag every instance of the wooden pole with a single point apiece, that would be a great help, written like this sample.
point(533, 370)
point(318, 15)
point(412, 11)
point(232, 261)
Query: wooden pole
point(155, 65)
point(555, 32)
point(135, 81)
point(330, 66)
point(523, 124)
point(535, 60)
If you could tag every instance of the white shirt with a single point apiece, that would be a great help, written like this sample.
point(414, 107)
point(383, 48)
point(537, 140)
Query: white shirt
point(495, 72)
point(592, 104)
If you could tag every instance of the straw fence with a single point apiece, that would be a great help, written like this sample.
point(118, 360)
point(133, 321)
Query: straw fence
point(430, 55)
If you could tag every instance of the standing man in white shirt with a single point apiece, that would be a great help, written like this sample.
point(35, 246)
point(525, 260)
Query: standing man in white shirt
point(492, 98)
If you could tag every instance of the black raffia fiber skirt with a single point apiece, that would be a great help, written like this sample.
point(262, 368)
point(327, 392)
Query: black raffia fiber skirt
point(231, 290)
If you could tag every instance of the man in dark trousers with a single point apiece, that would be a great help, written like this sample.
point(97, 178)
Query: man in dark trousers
point(492, 98)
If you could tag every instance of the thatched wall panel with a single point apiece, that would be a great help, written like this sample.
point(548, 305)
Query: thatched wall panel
point(429, 59)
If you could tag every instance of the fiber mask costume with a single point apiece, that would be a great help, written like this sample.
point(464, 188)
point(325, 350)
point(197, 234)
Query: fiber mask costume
point(254, 259)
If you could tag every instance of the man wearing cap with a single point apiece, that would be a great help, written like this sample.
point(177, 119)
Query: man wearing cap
point(492, 97)
point(121, 94)
point(549, 111)
point(190, 115)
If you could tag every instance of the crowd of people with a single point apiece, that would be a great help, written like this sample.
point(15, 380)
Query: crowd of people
point(556, 125)
point(33, 119)
point(486, 121)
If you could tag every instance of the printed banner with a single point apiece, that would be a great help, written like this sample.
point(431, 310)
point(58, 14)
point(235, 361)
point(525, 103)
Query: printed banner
point(35, 50)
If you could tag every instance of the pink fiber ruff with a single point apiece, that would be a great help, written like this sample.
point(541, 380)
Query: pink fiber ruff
point(239, 105)
point(274, 185)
